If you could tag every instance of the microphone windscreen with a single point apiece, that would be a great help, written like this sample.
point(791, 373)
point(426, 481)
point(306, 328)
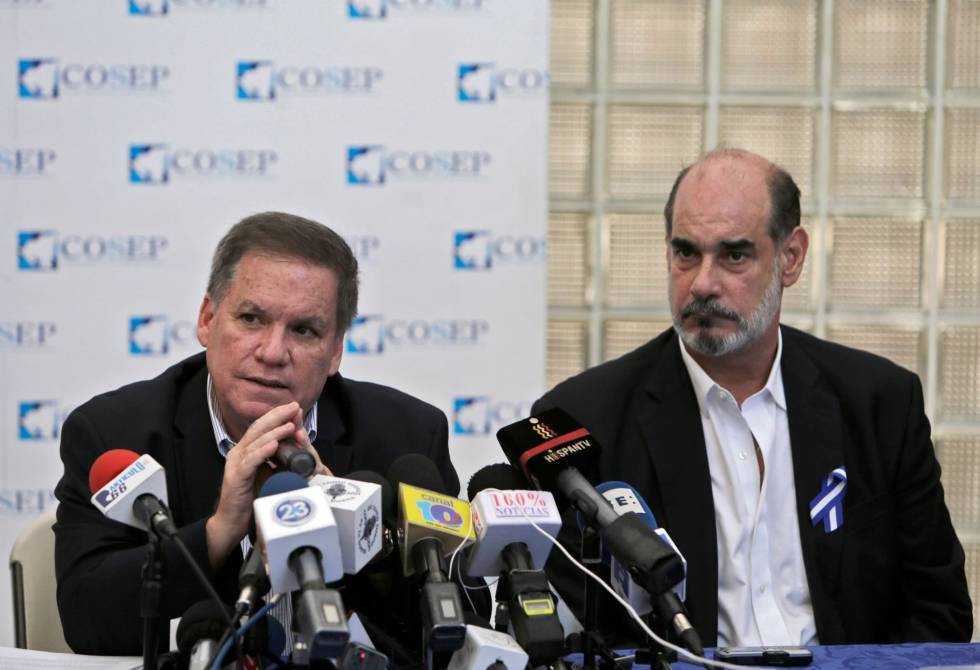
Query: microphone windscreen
point(281, 482)
point(389, 507)
point(497, 476)
point(418, 471)
point(108, 466)
point(204, 620)
point(276, 637)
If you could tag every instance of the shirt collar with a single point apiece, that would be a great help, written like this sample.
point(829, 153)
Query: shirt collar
point(703, 384)
point(221, 437)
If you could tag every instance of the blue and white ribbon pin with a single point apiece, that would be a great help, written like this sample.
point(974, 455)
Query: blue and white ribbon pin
point(828, 506)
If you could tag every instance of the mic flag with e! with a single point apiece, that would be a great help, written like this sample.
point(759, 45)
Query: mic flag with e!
point(546, 443)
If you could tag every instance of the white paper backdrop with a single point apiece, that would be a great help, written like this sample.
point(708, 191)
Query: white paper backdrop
point(133, 133)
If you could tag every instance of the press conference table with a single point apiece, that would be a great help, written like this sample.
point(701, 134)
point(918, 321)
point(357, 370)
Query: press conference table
point(890, 656)
point(849, 657)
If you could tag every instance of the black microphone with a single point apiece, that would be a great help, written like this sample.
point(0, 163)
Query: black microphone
point(443, 626)
point(253, 582)
point(198, 633)
point(509, 546)
point(552, 449)
point(291, 458)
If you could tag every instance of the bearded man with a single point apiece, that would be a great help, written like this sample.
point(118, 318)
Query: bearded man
point(796, 476)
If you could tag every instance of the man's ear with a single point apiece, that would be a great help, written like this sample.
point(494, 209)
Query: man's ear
point(204, 318)
point(792, 256)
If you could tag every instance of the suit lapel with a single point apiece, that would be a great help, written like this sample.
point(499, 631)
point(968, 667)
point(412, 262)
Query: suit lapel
point(333, 417)
point(200, 466)
point(815, 431)
point(670, 423)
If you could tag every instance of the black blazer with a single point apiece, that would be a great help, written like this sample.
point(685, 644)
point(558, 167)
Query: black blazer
point(361, 426)
point(892, 572)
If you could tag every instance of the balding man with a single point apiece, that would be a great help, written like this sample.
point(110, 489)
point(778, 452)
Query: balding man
point(796, 476)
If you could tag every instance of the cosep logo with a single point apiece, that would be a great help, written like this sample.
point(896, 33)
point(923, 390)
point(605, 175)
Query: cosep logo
point(484, 82)
point(47, 79)
point(294, 511)
point(364, 247)
point(155, 164)
point(26, 502)
point(158, 335)
point(162, 7)
point(264, 80)
point(24, 162)
point(479, 415)
point(378, 9)
point(26, 334)
point(482, 250)
point(372, 165)
point(39, 420)
point(372, 334)
point(47, 250)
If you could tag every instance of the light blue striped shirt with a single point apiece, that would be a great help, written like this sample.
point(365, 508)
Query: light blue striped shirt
point(283, 610)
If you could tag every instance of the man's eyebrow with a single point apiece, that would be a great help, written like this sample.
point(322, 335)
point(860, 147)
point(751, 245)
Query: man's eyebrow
point(314, 322)
point(249, 306)
point(682, 244)
point(737, 245)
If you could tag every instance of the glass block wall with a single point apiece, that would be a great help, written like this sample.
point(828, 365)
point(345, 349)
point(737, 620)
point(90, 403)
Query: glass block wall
point(872, 105)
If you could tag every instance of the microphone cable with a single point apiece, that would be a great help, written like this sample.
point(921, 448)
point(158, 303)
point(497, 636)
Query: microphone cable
point(226, 641)
point(681, 651)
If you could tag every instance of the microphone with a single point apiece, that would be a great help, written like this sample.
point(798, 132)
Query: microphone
point(668, 607)
point(484, 648)
point(253, 582)
point(198, 633)
point(356, 506)
point(500, 519)
point(508, 545)
point(132, 489)
point(291, 458)
point(624, 498)
point(389, 512)
point(425, 510)
point(431, 525)
point(551, 448)
point(299, 534)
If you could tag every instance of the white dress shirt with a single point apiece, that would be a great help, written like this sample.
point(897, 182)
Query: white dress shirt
point(763, 596)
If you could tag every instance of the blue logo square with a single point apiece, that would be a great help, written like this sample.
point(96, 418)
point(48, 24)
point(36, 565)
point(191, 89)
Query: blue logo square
point(38, 420)
point(37, 78)
point(471, 415)
point(37, 250)
point(365, 165)
point(149, 335)
point(149, 164)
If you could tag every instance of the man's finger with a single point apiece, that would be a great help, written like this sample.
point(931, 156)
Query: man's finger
point(276, 416)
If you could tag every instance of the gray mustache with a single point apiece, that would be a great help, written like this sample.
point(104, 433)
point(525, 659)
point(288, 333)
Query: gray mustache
point(703, 308)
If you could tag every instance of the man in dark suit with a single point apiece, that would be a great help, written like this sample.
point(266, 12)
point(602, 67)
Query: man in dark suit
point(281, 295)
point(796, 476)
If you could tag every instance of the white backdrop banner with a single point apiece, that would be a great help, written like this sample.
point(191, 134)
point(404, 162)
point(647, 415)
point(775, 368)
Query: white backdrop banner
point(133, 133)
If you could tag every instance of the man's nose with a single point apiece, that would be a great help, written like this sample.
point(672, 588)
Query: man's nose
point(705, 284)
point(273, 348)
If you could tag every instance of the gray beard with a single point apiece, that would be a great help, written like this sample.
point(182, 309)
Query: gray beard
point(747, 330)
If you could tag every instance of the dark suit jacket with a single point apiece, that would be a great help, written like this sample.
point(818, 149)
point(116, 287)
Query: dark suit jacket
point(894, 570)
point(361, 426)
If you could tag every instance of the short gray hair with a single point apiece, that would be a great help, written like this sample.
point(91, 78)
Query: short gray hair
point(288, 235)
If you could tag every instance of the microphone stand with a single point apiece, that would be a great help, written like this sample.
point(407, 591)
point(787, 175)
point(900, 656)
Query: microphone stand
point(591, 640)
point(150, 600)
